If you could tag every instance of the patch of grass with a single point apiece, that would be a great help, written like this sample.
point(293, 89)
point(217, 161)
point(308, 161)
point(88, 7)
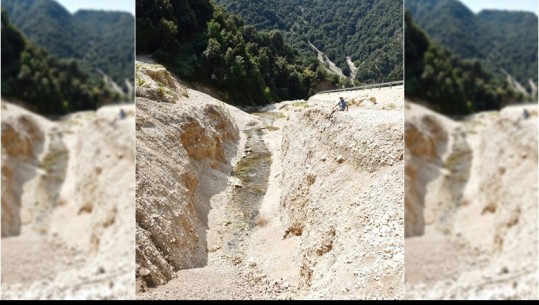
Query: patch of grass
point(280, 115)
point(140, 82)
point(47, 163)
point(270, 115)
point(51, 159)
point(242, 168)
point(300, 104)
point(390, 106)
point(454, 160)
point(161, 89)
point(260, 191)
point(450, 163)
point(272, 128)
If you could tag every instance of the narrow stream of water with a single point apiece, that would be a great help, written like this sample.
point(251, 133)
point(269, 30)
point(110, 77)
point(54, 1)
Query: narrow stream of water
point(253, 172)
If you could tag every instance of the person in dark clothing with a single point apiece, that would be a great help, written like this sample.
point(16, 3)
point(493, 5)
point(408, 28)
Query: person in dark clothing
point(342, 105)
point(122, 114)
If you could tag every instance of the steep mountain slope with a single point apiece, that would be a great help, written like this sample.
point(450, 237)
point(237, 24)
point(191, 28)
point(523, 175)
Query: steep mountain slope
point(500, 39)
point(370, 32)
point(514, 39)
point(44, 83)
point(451, 85)
point(451, 24)
point(95, 39)
point(111, 43)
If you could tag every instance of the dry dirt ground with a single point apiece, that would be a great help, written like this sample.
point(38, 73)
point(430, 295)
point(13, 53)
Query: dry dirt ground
point(67, 205)
point(340, 243)
point(471, 205)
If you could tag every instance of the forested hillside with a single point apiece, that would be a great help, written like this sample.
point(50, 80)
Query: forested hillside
point(96, 40)
point(44, 83)
point(369, 31)
point(499, 39)
point(447, 83)
point(201, 42)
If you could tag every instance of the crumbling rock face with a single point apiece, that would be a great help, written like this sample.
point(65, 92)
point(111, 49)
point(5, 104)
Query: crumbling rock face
point(103, 190)
point(183, 158)
point(154, 82)
point(22, 143)
point(342, 190)
point(506, 188)
point(426, 142)
point(48, 183)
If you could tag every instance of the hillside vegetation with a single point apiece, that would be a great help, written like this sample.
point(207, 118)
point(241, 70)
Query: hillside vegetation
point(448, 83)
point(499, 39)
point(200, 42)
point(44, 83)
point(96, 40)
point(370, 32)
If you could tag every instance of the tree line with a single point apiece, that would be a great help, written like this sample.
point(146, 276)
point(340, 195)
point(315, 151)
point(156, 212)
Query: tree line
point(45, 84)
point(201, 42)
point(503, 41)
point(99, 41)
point(448, 83)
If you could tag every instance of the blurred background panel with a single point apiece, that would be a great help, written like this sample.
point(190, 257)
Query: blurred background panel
point(67, 149)
point(471, 149)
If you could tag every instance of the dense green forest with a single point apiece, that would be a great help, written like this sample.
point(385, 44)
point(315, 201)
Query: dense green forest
point(447, 83)
point(369, 31)
point(200, 42)
point(96, 40)
point(499, 39)
point(45, 84)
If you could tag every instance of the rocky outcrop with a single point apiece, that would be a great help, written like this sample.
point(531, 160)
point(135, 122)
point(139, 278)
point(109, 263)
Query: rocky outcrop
point(154, 82)
point(23, 138)
point(183, 152)
point(426, 139)
point(508, 181)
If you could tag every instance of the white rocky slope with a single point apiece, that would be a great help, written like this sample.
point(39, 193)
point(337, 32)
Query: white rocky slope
point(471, 205)
point(342, 190)
point(67, 205)
point(284, 204)
point(184, 150)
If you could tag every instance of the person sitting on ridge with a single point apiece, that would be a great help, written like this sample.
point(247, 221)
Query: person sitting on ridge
point(341, 106)
point(122, 114)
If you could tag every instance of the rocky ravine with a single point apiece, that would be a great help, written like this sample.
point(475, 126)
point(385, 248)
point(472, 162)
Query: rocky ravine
point(67, 205)
point(471, 205)
point(282, 204)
